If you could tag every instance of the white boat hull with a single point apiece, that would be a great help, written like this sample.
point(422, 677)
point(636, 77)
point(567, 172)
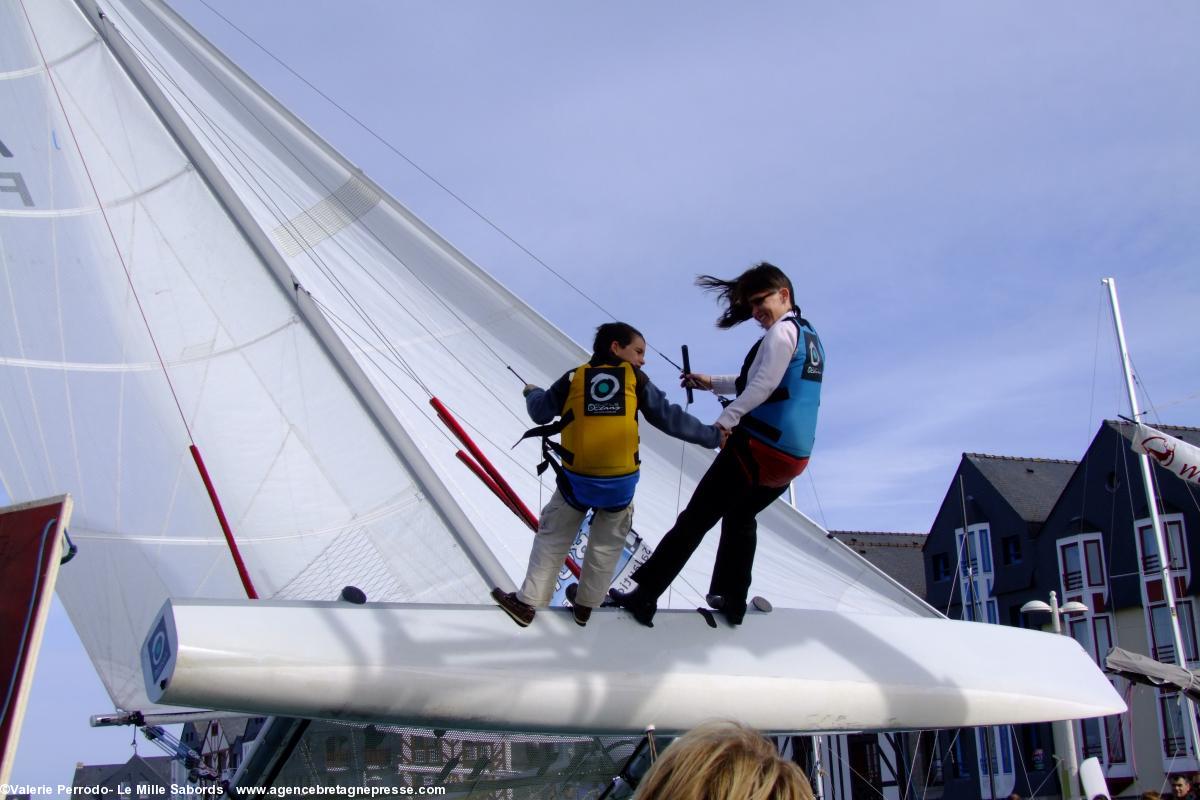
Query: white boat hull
point(471, 667)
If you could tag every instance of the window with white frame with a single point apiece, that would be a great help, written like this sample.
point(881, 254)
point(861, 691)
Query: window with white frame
point(975, 573)
point(1081, 564)
point(1162, 632)
point(1174, 736)
point(1174, 539)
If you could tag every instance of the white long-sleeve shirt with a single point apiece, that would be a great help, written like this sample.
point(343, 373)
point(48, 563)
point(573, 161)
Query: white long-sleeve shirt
point(766, 372)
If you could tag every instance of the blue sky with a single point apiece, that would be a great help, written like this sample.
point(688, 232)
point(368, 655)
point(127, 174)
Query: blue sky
point(945, 183)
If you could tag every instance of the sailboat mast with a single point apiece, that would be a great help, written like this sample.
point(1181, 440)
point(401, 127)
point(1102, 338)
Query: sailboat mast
point(1155, 522)
point(377, 408)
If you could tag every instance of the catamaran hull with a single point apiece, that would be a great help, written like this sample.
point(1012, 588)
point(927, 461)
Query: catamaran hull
point(471, 667)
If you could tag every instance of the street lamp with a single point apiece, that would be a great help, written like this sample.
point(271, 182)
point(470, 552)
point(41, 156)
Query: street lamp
point(1064, 730)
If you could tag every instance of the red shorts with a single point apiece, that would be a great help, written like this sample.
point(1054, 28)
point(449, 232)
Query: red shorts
point(768, 466)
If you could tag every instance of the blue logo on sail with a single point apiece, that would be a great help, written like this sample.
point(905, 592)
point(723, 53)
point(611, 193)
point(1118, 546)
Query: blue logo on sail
point(158, 648)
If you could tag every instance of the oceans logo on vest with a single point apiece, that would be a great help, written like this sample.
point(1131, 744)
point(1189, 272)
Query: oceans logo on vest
point(605, 392)
point(814, 365)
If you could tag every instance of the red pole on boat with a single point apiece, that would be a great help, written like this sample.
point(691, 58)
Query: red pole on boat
point(233, 548)
point(491, 484)
point(451, 423)
point(487, 472)
point(571, 563)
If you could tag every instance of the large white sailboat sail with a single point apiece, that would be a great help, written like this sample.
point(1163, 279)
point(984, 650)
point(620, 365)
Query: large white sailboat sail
point(187, 265)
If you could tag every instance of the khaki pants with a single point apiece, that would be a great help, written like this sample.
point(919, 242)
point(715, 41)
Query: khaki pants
point(557, 529)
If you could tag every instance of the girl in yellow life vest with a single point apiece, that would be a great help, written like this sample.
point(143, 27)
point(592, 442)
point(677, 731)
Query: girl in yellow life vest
point(597, 405)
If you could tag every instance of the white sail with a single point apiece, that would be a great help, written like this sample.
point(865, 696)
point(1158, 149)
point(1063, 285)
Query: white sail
point(315, 495)
point(303, 318)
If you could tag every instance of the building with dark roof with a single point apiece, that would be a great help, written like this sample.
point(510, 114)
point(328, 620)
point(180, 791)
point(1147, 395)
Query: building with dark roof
point(1011, 530)
point(1004, 501)
point(136, 779)
point(896, 554)
point(221, 744)
point(1097, 547)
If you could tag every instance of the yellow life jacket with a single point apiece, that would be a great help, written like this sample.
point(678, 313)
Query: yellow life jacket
point(601, 437)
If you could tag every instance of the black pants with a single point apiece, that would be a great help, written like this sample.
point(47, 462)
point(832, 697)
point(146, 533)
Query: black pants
point(728, 493)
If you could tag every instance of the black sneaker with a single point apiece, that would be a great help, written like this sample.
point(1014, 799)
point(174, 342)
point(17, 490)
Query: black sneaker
point(643, 610)
point(582, 614)
point(521, 613)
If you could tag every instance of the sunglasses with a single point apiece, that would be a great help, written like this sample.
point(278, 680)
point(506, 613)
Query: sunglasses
point(758, 300)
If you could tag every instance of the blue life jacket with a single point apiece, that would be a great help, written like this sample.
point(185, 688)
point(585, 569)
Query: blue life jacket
point(787, 419)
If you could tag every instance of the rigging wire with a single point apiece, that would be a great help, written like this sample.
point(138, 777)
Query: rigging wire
point(457, 198)
point(107, 221)
point(812, 482)
point(221, 141)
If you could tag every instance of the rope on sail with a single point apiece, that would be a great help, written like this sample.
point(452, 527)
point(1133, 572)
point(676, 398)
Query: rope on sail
point(107, 222)
point(140, 307)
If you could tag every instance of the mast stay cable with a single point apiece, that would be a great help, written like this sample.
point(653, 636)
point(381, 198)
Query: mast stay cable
point(227, 532)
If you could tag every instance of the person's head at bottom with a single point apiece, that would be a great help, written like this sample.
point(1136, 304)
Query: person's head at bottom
point(723, 760)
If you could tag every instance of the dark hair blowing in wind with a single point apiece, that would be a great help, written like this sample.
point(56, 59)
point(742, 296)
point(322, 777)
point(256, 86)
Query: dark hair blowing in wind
point(736, 293)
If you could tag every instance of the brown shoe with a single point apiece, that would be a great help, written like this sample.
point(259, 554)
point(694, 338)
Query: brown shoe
point(582, 614)
point(521, 613)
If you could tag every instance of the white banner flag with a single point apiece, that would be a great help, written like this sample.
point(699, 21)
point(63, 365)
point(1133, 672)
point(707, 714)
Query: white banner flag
point(1174, 455)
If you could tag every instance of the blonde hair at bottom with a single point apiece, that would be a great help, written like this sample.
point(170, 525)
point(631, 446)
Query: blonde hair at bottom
point(723, 760)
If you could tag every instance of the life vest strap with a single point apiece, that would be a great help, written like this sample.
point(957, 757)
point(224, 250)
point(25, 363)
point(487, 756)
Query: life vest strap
point(551, 429)
point(561, 481)
point(548, 447)
point(780, 394)
point(762, 428)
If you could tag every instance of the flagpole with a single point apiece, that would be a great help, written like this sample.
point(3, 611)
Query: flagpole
point(1155, 523)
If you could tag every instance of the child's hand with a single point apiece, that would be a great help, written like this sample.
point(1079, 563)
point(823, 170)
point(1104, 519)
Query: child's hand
point(695, 380)
point(529, 387)
point(724, 436)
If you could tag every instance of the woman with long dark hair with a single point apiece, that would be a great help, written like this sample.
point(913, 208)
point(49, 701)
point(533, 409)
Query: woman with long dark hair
point(771, 427)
